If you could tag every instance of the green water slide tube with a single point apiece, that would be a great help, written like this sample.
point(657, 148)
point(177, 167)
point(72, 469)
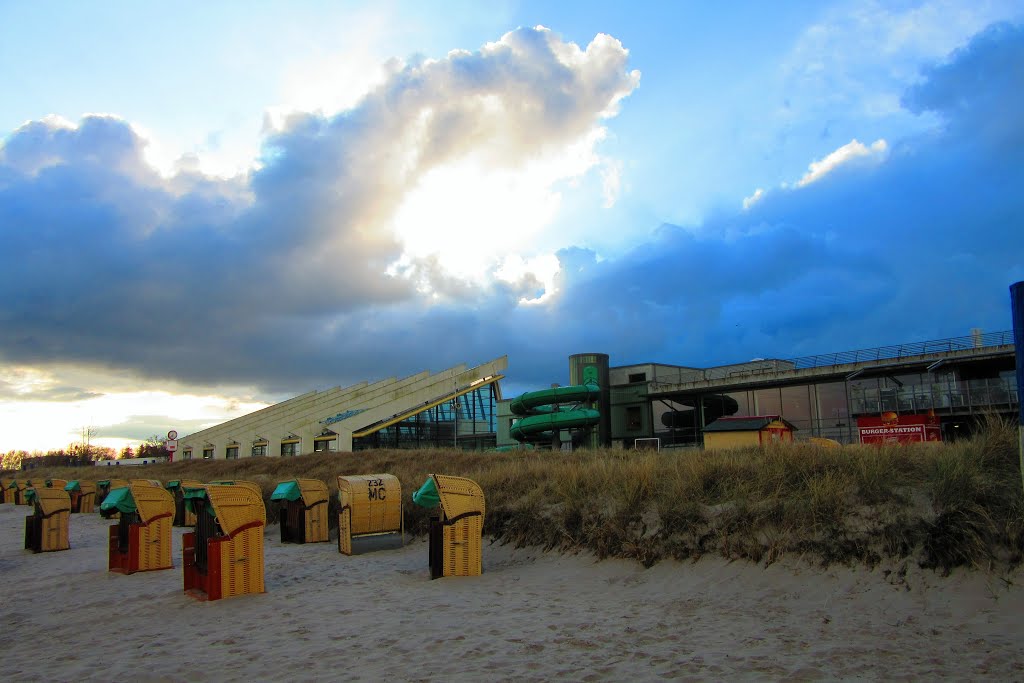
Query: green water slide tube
point(539, 414)
point(539, 401)
point(526, 427)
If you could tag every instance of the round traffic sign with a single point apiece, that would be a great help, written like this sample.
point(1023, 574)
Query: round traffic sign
point(172, 435)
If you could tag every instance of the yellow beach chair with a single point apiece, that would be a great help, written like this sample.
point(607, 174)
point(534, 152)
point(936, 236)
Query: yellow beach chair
point(370, 514)
point(141, 540)
point(223, 557)
point(46, 529)
point(302, 511)
point(456, 529)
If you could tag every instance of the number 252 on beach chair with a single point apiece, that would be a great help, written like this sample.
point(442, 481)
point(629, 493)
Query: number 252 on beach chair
point(456, 529)
point(47, 528)
point(370, 513)
point(223, 557)
point(141, 540)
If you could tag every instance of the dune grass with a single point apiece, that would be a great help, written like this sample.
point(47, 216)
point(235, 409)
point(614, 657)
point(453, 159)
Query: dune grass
point(943, 506)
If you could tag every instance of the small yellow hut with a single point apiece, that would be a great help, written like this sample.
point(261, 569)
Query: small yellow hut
point(746, 432)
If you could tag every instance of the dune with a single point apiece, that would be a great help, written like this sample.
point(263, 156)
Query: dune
point(531, 616)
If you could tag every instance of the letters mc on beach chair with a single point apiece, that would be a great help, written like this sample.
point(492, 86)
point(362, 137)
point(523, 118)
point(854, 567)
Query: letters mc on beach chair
point(370, 513)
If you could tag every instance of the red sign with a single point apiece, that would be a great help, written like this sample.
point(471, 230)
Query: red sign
point(892, 428)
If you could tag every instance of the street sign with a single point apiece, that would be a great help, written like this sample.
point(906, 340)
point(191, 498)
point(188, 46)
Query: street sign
point(171, 445)
point(172, 435)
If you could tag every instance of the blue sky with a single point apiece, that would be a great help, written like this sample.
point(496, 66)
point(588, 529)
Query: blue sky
point(208, 207)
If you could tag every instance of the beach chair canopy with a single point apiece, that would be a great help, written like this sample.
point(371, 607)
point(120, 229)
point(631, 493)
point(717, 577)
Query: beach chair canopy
point(287, 490)
point(309, 491)
point(118, 500)
point(147, 499)
point(73, 485)
point(456, 495)
point(253, 486)
point(427, 496)
point(52, 501)
point(236, 506)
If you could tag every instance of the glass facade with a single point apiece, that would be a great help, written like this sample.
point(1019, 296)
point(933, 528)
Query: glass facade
point(468, 421)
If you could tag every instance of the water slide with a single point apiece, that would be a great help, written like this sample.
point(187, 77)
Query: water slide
point(542, 412)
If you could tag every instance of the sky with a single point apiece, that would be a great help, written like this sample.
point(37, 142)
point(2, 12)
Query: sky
point(209, 207)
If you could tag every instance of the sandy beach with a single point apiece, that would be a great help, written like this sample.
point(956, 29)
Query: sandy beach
point(531, 616)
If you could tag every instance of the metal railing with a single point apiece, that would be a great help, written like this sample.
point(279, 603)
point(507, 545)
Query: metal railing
point(975, 341)
point(774, 366)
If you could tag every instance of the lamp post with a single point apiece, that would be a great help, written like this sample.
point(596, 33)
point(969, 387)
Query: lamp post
point(1017, 307)
point(455, 406)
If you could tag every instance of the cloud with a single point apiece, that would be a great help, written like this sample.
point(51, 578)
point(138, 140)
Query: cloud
point(294, 272)
point(287, 280)
point(846, 154)
point(979, 90)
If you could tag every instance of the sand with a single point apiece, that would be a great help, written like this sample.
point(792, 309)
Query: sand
point(532, 616)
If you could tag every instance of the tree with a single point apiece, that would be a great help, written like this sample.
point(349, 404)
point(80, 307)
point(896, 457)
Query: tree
point(126, 452)
point(154, 446)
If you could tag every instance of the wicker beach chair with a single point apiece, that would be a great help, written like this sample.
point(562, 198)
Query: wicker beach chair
point(182, 515)
point(141, 540)
point(456, 529)
point(7, 489)
point(56, 483)
point(83, 495)
point(21, 486)
point(370, 514)
point(46, 529)
point(302, 510)
point(223, 557)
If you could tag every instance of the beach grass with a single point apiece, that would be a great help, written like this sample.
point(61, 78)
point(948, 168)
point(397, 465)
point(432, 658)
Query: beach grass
point(942, 505)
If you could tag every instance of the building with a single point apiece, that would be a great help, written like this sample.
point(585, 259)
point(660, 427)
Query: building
point(742, 432)
point(454, 408)
point(955, 381)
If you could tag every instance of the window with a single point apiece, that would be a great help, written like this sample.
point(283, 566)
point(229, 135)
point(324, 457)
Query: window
point(208, 453)
point(231, 453)
point(188, 453)
point(289, 448)
point(322, 445)
point(638, 377)
point(634, 419)
point(259, 449)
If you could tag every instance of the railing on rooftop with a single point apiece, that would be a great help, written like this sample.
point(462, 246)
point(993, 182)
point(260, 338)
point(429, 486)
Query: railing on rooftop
point(974, 341)
point(773, 366)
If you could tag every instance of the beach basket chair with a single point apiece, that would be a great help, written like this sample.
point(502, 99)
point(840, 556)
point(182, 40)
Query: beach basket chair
point(182, 515)
point(302, 510)
point(7, 490)
point(46, 529)
point(141, 540)
point(21, 488)
point(105, 486)
point(83, 495)
point(223, 557)
point(56, 483)
point(456, 528)
point(370, 514)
